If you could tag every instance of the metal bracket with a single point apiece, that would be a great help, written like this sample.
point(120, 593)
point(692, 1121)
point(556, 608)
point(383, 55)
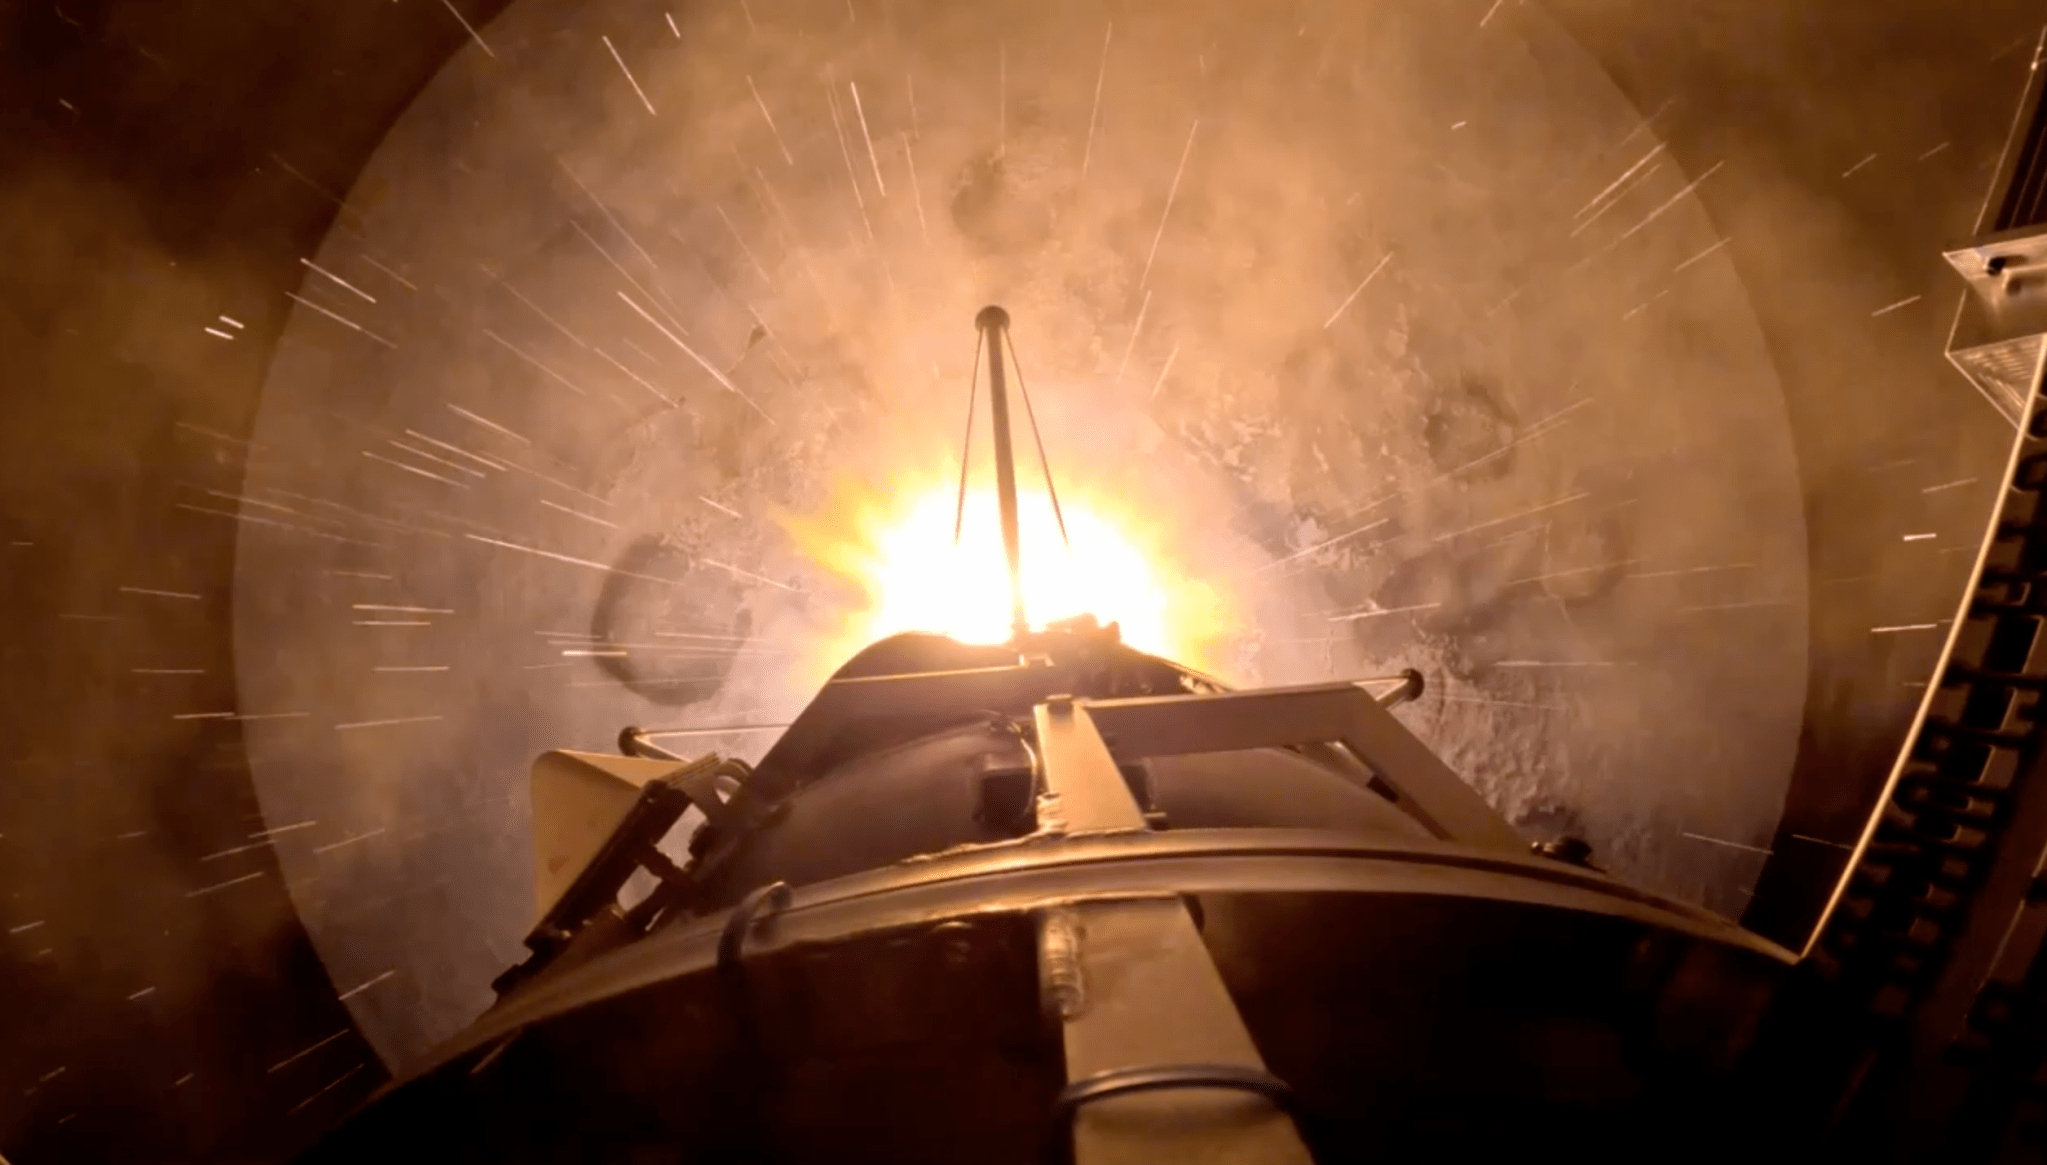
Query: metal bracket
point(581, 794)
point(1092, 794)
point(1140, 995)
point(1341, 713)
point(1155, 1003)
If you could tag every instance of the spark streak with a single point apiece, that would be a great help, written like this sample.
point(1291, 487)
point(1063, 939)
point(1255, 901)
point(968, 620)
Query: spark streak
point(334, 845)
point(468, 28)
point(435, 458)
point(1164, 371)
point(515, 350)
point(462, 412)
point(1563, 501)
point(770, 119)
point(414, 469)
point(1616, 183)
point(578, 340)
point(1702, 254)
point(1172, 193)
point(1135, 328)
point(643, 382)
point(455, 449)
point(362, 987)
point(630, 79)
point(297, 1056)
point(385, 723)
point(158, 594)
point(1673, 200)
point(1322, 545)
point(406, 283)
point(343, 320)
point(223, 885)
point(1356, 616)
point(1094, 114)
point(706, 365)
point(1754, 849)
point(852, 178)
point(669, 582)
point(747, 574)
point(1358, 290)
point(338, 279)
point(872, 157)
point(579, 514)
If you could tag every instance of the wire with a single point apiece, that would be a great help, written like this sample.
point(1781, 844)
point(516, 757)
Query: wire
point(1044, 465)
point(959, 516)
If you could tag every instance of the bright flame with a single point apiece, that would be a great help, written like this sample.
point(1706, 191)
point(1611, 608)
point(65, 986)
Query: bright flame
point(901, 556)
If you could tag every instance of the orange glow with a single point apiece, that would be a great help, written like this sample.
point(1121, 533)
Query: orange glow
point(899, 554)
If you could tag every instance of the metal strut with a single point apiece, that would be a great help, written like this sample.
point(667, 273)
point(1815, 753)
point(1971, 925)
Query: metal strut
point(1160, 1064)
point(993, 323)
point(1038, 435)
point(959, 514)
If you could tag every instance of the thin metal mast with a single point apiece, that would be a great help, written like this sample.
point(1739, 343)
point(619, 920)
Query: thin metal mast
point(994, 324)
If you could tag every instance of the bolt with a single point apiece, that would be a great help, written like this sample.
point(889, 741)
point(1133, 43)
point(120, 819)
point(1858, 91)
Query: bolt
point(956, 939)
point(1060, 979)
point(1573, 851)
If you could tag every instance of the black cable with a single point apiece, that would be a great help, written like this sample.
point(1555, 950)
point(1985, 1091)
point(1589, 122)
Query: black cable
point(773, 896)
point(1044, 464)
point(959, 516)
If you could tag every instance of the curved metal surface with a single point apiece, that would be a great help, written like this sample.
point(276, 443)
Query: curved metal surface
point(1032, 874)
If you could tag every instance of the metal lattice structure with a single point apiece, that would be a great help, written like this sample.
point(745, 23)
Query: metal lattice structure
point(1935, 940)
point(1938, 927)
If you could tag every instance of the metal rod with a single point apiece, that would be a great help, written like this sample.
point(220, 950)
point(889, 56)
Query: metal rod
point(633, 741)
point(1044, 464)
point(959, 514)
point(709, 730)
point(1409, 687)
point(994, 321)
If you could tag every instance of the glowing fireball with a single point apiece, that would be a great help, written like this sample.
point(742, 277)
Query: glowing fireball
point(899, 554)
